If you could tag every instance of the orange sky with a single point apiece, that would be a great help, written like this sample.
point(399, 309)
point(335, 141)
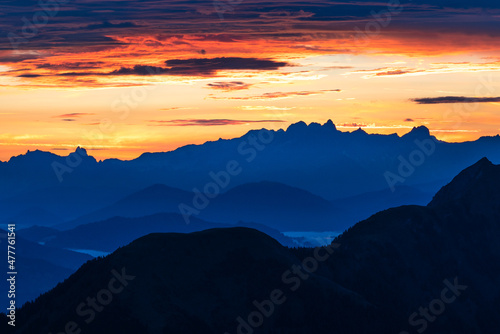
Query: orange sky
point(123, 87)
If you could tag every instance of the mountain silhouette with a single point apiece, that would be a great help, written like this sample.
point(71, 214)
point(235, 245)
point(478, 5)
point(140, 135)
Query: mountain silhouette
point(157, 198)
point(115, 232)
point(217, 273)
point(270, 203)
point(103, 236)
point(317, 158)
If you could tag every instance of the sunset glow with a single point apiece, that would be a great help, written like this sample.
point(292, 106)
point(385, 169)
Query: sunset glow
point(123, 80)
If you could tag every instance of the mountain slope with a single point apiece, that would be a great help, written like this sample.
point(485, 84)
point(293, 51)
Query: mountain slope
point(116, 232)
point(270, 203)
point(109, 234)
point(201, 282)
point(40, 267)
point(151, 200)
point(455, 236)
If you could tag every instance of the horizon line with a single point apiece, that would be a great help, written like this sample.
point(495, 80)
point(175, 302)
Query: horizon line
point(328, 124)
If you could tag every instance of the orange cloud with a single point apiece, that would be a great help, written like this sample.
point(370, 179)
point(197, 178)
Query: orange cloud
point(275, 95)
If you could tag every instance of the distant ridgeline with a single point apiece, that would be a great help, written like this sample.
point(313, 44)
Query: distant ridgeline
point(333, 175)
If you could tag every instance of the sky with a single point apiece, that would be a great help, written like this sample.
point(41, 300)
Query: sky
point(125, 77)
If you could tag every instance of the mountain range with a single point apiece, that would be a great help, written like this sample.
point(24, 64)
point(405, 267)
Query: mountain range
point(408, 269)
point(358, 173)
point(309, 178)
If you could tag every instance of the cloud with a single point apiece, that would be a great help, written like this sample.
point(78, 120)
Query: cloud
point(17, 57)
point(107, 24)
point(192, 67)
point(275, 95)
point(224, 38)
point(229, 86)
point(431, 69)
point(327, 68)
point(123, 34)
point(409, 120)
point(352, 125)
point(71, 66)
point(29, 75)
point(176, 108)
point(211, 122)
point(397, 72)
point(306, 22)
point(272, 108)
point(73, 115)
point(392, 71)
point(210, 66)
point(455, 99)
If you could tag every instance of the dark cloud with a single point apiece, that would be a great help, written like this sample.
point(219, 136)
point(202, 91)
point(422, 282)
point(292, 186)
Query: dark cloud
point(211, 122)
point(249, 19)
point(193, 67)
point(107, 24)
point(225, 38)
point(28, 75)
point(72, 66)
point(409, 120)
point(455, 99)
point(139, 70)
point(211, 65)
point(229, 86)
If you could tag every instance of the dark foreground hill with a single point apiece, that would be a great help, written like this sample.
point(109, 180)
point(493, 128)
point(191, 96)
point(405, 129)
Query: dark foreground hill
point(45, 256)
point(194, 283)
point(410, 269)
